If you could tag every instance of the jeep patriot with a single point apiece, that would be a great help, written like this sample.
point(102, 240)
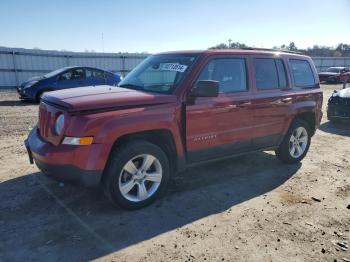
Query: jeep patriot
point(173, 110)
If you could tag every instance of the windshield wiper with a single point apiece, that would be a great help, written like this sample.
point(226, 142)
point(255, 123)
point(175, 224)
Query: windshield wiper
point(132, 86)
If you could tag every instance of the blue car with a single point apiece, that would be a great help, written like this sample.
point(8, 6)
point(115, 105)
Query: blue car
point(67, 77)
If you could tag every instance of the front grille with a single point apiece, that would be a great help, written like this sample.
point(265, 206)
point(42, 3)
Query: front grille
point(44, 122)
point(337, 100)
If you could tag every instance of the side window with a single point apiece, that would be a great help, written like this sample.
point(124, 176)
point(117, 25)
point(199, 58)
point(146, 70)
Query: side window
point(108, 75)
point(302, 73)
point(98, 74)
point(66, 76)
point(91, 73)
point(231, 74)
point(78, 74)
point(270, 73)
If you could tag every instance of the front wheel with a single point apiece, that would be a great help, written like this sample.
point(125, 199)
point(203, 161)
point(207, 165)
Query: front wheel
point(296, 143)
point(39, 96)
point(136, 175)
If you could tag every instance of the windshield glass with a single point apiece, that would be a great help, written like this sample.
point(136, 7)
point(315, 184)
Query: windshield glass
point(159, 73)
point(53, 73)
point(333, 70)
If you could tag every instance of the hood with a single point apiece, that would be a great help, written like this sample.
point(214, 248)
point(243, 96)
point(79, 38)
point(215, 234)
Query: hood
point(34, 78)
point(104, 98)
point(344, 93)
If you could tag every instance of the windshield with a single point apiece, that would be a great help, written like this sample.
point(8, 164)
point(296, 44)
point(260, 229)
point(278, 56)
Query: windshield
point(53, 73)
point(159, 73)
point(333, 70)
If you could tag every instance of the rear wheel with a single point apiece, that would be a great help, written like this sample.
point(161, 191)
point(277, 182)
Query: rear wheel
point(136, 175)
point(296, 143)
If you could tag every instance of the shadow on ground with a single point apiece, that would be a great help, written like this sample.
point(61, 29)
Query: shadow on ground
point(16, 103)
point(39, 220)
point(341, 128)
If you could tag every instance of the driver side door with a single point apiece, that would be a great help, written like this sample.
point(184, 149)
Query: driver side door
point(220, 126)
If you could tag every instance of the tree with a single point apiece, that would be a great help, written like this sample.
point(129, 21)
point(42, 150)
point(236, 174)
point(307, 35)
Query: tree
point(341, 50)
point(234, 45)
point(292, 47)
point(219, 46)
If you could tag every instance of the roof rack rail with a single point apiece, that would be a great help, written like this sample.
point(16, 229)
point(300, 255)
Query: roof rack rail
point(271, 49)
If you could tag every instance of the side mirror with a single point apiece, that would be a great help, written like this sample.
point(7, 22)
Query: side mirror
point(205, 88)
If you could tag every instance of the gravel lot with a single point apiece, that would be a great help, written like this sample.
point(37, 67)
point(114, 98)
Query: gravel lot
point(250, 208)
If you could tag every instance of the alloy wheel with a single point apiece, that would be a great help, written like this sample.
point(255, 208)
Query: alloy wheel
point(140, 178)
point(298, 142)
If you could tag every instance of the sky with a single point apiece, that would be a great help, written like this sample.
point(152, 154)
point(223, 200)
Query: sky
point(164, 25)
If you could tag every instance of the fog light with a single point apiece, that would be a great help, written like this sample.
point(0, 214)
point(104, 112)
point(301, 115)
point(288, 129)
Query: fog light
point(76, 141)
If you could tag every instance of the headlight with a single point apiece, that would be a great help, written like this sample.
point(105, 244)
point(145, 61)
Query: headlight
point(59, 124)
point(30, 84)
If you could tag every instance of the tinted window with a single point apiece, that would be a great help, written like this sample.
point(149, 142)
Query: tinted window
point(302, 73)
point(108, 75)
point(92, 73)
point(266, 76)
point(231, 74)
point(67, 75)
point(78, 74)
point(270, 73)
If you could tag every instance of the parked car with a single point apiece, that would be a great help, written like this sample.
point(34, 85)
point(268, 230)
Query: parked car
point(339, 106)
point(174, 110)
point(335, 75)
point(67, 77)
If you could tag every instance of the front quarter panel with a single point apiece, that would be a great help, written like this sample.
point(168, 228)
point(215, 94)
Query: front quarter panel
point(107, 127)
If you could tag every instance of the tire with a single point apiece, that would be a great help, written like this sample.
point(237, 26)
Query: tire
point(131, 157)
point(285, 151)
point(39, 95)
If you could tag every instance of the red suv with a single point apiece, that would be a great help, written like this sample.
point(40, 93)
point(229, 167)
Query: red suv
point(176, 109)
point(335, 75)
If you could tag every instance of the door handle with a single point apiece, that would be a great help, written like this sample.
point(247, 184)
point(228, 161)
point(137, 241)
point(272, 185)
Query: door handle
point(244, 104)
point(286, 100)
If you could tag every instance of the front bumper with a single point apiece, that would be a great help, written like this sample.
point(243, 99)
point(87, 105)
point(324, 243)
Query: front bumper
point(23, 94)
point(60, 162)
point(338, 112)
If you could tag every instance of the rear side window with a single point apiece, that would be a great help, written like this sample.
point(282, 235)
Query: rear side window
point(269, 73)
point(230, 72)
point(92, 73)
point(302, 73)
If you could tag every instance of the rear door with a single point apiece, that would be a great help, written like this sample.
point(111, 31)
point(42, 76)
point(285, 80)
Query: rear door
point(272, 98)
point(219, 126)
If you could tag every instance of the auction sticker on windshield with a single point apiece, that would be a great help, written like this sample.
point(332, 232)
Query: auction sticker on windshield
point(173, 67)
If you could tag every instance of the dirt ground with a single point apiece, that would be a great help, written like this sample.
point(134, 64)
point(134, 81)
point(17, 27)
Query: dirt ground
point(250, 208)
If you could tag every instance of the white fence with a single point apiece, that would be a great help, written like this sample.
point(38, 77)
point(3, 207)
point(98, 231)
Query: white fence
point(322, 63)
point(17, 64)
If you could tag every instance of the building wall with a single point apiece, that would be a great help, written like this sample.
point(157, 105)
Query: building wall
point(18, 64)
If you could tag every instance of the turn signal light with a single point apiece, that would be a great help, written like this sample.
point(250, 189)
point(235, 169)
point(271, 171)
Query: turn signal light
point(78, 141)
